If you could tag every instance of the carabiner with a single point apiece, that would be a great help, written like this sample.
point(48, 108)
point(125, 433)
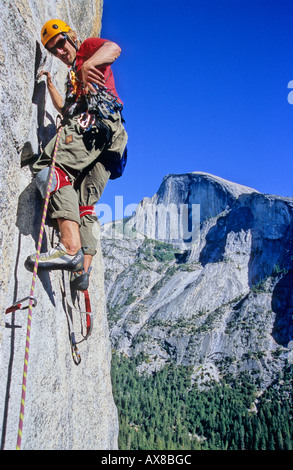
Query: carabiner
point(18, 304)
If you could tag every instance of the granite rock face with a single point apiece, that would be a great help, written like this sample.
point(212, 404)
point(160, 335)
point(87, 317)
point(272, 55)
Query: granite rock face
point(222, 303)
point(67, 406)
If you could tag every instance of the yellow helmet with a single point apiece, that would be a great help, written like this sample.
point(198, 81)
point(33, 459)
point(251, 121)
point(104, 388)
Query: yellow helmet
point(52, 28)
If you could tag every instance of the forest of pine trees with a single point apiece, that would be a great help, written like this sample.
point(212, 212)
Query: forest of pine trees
point(163, 411)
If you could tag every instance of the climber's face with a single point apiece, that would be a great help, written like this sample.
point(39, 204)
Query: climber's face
point(62, 48)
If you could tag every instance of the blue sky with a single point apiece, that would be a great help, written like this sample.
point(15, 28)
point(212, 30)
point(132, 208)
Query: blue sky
point(205, 88)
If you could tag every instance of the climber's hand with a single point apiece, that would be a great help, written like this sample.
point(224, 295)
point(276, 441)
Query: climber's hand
point(55, 95)
point(47, 74)
point(91, 74)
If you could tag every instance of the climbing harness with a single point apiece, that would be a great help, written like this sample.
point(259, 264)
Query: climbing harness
point(69, 309)
point(32, 301)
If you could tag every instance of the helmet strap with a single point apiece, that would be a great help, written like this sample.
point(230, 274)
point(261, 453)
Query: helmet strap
point(73, 43)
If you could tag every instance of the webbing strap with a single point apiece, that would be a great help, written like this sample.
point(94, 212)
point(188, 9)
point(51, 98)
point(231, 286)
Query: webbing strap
point(86, 210)
point(89, 323)
point(28, 331)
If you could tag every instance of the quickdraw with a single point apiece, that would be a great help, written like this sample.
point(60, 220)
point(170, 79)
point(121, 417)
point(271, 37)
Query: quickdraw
point(18, 304)
point(103, 102)
point(69, 309)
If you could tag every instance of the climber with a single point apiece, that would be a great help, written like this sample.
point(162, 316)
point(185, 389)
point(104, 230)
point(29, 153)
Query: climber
point(92, 147)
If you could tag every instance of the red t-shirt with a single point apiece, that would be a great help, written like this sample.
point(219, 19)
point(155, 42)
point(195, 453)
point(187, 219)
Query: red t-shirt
point(86, 50)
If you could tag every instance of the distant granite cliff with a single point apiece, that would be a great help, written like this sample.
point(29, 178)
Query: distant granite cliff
point(67, 407)
point(221, 303)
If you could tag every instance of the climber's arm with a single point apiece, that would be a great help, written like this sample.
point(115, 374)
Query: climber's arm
point(55, 96)
point(105, 55)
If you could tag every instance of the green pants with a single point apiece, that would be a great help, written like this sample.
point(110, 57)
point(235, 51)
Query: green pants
point(84, 156)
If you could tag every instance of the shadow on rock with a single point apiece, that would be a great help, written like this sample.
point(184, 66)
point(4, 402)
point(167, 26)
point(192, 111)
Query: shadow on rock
point(28, 221)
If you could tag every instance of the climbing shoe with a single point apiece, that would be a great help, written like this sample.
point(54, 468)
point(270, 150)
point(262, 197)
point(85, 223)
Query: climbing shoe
point(79, 280)
point(57, 258)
